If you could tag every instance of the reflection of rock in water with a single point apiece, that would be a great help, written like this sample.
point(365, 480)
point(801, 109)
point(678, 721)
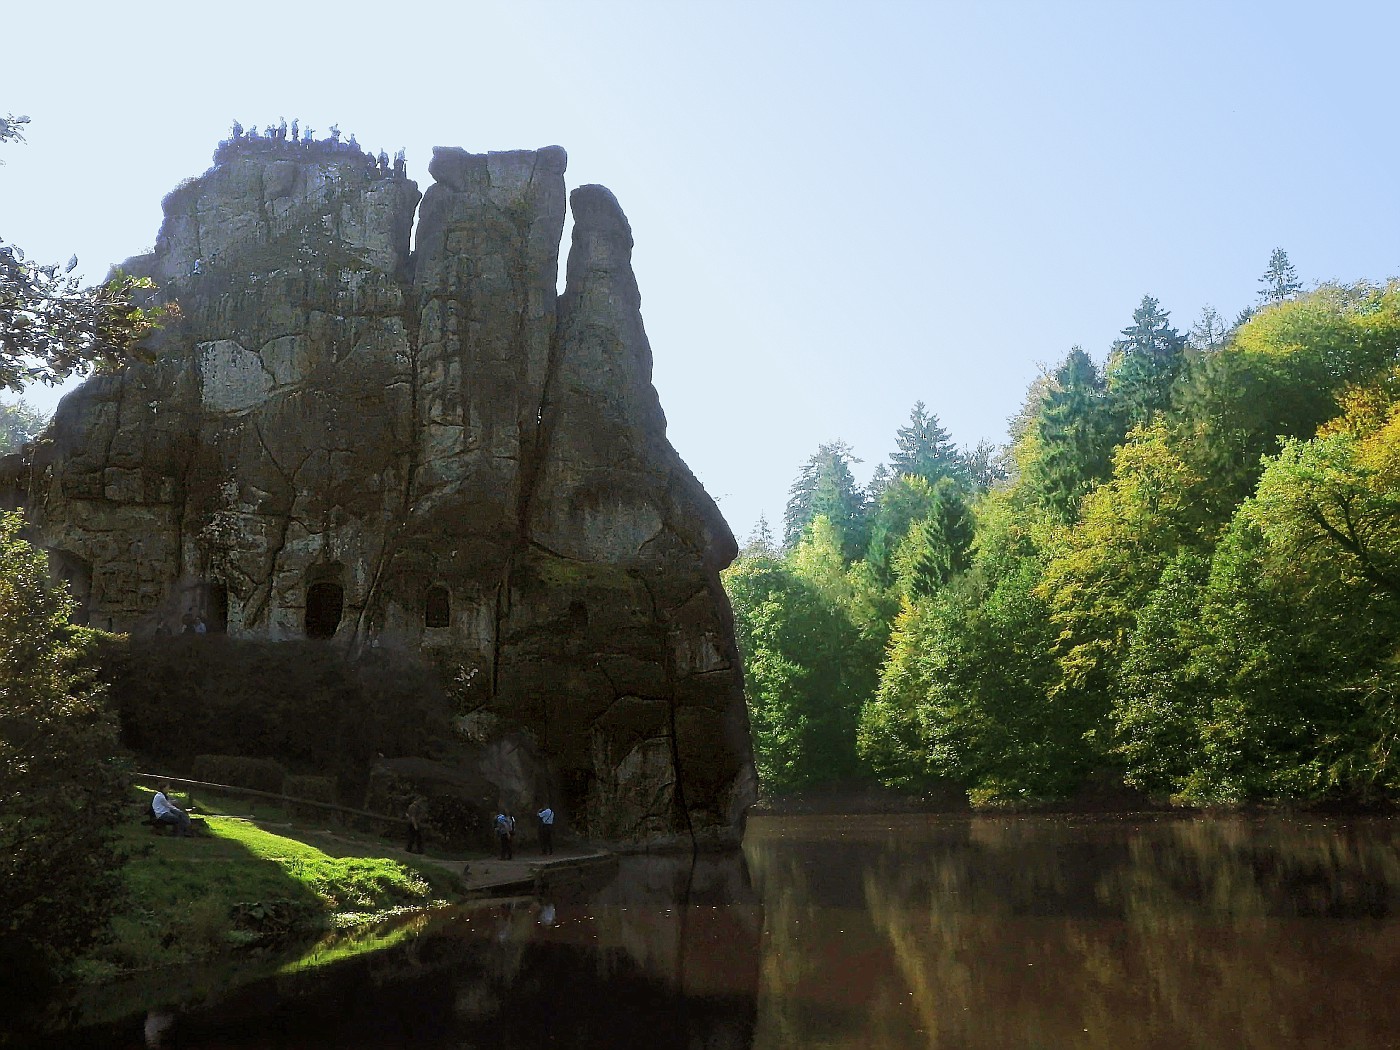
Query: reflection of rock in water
point(666, 955)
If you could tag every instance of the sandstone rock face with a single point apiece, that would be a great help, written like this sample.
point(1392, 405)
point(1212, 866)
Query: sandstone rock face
point(420, 446)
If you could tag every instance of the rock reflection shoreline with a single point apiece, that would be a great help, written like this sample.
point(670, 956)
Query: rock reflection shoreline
point(884, 933)
point(664, 953)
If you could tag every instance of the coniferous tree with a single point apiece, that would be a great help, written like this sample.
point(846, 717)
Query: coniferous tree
point(1280, 281)
point(1210, 331)
point(935, 548)
point(827, 487)
point(1071, 443)
point(880, 480)
point(760, 542)
point(925, 449)
point(986, 464)
point(906, 499)
point(1144, 363)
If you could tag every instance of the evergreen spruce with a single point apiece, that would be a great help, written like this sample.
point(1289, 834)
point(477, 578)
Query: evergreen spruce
point(1280, 281)
point(925, 449)
point(1144, 363)
point(826, 486)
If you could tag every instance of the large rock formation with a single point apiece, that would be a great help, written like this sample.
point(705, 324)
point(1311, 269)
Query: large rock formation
point(424, 449)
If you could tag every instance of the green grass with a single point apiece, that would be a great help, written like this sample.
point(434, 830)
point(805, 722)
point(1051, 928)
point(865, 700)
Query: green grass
point(243, 885)
point(350, 943)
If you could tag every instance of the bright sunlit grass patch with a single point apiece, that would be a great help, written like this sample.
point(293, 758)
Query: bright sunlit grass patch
point(240, 885)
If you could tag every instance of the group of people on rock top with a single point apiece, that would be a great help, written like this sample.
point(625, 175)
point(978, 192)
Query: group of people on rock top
point(281, 132)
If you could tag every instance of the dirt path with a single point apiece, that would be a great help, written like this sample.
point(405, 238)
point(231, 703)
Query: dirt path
point(486, 875)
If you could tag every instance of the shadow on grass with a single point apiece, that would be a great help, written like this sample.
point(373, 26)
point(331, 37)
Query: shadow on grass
point(241, 902)
point(241, 885)
point(332, 835)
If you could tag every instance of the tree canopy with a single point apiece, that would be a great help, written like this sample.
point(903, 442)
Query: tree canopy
point(1189, 584)
point(19, 422)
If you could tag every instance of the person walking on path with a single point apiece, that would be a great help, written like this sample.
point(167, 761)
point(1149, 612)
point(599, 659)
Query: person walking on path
point(546, 816)
point(415, 825)
point(505, 831)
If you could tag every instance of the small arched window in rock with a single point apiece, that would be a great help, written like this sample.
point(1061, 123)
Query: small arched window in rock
point(578, 616)
point(437, 608)
point(325, 603)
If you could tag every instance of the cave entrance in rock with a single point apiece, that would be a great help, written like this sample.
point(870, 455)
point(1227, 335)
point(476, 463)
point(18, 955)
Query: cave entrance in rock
point(216, 620)
point(437, 608)
point(325, 604)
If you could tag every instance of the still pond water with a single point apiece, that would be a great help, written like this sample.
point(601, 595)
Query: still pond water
point(882, 932)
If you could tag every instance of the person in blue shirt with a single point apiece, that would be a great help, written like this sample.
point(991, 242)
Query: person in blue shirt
point(546, 816)
point(505, 831)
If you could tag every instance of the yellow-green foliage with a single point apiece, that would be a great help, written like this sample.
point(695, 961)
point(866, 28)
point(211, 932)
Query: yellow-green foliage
point(346, 944)
point(1347, 329)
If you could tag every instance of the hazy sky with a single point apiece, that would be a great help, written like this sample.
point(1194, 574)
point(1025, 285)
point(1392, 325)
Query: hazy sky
point(839, 208)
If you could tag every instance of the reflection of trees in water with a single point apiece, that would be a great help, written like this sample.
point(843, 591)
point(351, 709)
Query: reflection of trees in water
point(1174, 933)
point(1272, 917)
point(826, 977)
point(784, 965)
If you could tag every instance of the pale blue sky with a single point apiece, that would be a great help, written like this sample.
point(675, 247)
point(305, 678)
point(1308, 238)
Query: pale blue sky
point(839, 208)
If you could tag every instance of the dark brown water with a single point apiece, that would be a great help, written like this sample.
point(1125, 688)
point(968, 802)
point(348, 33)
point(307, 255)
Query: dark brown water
point(1073, 932)
point(881, 932)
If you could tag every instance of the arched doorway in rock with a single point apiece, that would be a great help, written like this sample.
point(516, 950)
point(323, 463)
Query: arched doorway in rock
point(578, 616)
point(325, 605)
point(437, 607)
point(216, 618)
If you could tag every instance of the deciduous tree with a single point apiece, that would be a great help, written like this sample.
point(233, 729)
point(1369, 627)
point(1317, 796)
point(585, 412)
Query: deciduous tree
point(51, 327)
point(19, 422)
point(61, 784)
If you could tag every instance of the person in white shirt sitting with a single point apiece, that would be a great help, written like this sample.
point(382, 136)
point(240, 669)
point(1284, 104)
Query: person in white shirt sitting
point(166, 812)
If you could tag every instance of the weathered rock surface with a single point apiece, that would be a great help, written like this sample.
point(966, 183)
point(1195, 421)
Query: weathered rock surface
point(429, 450)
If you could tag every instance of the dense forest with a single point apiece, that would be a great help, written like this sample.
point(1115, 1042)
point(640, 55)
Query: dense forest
point(1182, 575)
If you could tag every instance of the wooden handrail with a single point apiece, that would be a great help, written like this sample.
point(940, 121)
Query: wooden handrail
point(234, 790)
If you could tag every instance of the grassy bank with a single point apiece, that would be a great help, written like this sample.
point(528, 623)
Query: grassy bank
point(241, 886)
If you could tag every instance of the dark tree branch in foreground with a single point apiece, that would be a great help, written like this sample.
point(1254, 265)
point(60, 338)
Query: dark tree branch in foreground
point(51, 327)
